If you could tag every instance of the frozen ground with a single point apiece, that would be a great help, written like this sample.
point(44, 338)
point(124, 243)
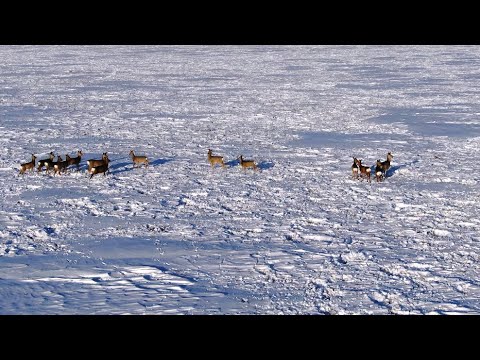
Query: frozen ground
point(300, 236)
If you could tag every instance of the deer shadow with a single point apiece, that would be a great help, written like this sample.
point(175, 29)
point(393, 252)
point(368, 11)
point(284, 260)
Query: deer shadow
point(265, 165)
point(232, 163)
point(81, 167)
point(160, 162)
point(121, 167)
point(393, 169)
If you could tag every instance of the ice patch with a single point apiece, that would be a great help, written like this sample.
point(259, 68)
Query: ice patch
point(352, 257)
point(318, 237)
point(466, 224)
point(443, 180)
point(316, 221)
point(441, 233)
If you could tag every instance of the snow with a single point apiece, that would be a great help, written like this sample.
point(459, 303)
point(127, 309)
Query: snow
point(300, 236)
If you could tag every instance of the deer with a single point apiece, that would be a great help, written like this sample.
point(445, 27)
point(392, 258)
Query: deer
point(355, 168)
point(385, 165)
point(60, 165)
point(138, 159)
point(215, 159)
point(378, 171)
point(27, 166)
point(75, 160)
point(46, 162)
point(53, 163)
point(247, 163)
point(364, 170)
point(93, 162)
point(99, 169)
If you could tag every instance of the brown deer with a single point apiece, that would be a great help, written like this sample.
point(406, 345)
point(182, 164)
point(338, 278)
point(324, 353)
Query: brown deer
point(60, 165)
point(247, 163)
point(75, 160)
point(379, 171)
point(93, 162)
point(53, 163)
point(364, 170)
point(138, 160)
point(355, 168)
point(385, 165)
point(215, 159)
point(46, 162)
point(27, 166)
point(99, 169)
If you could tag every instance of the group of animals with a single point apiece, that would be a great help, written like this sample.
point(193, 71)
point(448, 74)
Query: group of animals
point(100, 166)
point(219, 160)
point(381, 168)
point(95, 166)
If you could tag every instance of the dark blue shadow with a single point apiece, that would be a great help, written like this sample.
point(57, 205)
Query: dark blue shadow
point(393, 169)
point(265, 165)
point(73, 168)
point(160, 162)
point(232, 163)
point(128, 166)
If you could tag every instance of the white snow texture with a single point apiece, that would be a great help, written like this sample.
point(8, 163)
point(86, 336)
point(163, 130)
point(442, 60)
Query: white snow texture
point(300, 235)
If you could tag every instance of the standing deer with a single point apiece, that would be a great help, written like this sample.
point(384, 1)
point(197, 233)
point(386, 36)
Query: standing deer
point(215, 159)
point(364, 170)
point(94, 162)
point(98, 166)
point(247, 163)
point(138, 159)
point(27, 166)
point(75, 160)
point(355, 168)
point(60, 165)
point(54, 164)
point(385, 165)
point(99, 169)
point(379, 171)
point(46, 162)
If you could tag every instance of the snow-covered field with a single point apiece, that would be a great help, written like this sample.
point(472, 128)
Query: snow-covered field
point(299, 236)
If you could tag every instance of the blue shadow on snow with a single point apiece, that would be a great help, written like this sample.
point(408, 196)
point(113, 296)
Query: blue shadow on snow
point(128, 166)
point(393, 169)
point(264, 165)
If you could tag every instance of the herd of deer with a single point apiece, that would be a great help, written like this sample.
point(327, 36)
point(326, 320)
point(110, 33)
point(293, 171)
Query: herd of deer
point(100, 166)
point(381, 168)
point(219, 160)
point(358, 170)
point(95, 166)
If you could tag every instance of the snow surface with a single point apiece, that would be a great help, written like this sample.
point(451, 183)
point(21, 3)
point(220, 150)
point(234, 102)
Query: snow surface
point(300, 236)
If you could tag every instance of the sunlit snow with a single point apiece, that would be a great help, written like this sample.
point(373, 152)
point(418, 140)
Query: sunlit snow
point(298, 236)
